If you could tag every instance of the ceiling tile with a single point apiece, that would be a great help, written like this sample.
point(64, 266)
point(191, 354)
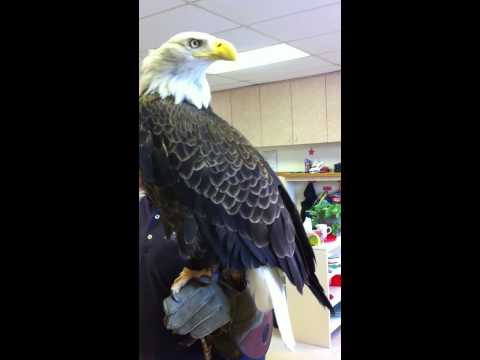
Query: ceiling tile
point(315, 31)
point(245, 39)
point(230, 86)
point(155, 30)
point(282, 71)
point(218, 80)
point(266, 78)
point(333, 57)
point(319, 44)
point(306, 24)
point(148, 7)
point(250, 11)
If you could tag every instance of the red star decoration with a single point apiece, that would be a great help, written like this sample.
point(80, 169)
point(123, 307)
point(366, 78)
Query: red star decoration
point(311, 152)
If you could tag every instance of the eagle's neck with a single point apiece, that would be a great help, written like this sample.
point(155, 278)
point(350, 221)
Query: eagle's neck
point(185, 82)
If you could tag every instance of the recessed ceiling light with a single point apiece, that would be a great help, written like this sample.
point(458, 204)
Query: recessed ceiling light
point(258, 57)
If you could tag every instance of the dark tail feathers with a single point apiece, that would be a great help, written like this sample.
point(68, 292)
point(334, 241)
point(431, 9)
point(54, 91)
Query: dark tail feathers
point(317, 290)
point(306, 251)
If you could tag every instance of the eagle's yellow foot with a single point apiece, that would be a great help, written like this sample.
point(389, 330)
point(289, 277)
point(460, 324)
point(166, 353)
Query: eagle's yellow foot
point(186, 275)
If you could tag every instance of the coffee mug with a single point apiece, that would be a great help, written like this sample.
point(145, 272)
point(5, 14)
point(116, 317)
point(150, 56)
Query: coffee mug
point(324, 230)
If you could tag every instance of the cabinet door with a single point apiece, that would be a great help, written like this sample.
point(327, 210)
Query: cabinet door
point(334, 107)
point(309, 110)
point(221, 105)
point(276, 109)
point(246, 113)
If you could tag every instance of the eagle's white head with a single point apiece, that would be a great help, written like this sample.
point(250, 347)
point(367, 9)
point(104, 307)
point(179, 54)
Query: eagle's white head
point(178, 68)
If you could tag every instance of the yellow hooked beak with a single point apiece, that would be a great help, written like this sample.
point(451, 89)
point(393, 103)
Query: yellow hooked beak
point(221, 50)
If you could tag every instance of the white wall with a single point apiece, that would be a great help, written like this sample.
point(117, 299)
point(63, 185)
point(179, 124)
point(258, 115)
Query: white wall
point(291, 159)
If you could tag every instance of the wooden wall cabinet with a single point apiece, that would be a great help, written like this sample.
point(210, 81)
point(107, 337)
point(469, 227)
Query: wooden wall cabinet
point(276, 114)
point(222, 105)
point(246, 113)
point(309, 110)
point(297, 111)
point(334, 106)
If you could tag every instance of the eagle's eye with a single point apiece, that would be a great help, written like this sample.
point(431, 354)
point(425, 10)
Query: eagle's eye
point(195, 43)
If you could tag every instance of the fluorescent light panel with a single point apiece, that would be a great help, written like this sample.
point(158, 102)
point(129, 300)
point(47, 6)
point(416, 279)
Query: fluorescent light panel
point(258, 57)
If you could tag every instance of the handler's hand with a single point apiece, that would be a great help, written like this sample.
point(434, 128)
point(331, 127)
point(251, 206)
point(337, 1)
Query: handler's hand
point(197, 310)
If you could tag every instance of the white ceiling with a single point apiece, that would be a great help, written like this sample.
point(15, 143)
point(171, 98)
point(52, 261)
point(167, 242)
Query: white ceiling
point(310, 25)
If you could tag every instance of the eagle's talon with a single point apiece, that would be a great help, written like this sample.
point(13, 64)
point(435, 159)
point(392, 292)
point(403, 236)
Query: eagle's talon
point(186, 275)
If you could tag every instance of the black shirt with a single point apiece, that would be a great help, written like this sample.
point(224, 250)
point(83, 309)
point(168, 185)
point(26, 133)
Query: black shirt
point(160, 264)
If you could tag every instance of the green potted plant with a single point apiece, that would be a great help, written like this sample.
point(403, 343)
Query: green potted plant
point(323, 212)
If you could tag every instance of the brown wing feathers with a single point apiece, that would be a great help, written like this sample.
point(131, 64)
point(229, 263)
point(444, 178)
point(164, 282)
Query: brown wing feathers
point(224, 184)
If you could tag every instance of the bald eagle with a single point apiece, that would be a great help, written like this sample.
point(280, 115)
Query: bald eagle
point(217, 195)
